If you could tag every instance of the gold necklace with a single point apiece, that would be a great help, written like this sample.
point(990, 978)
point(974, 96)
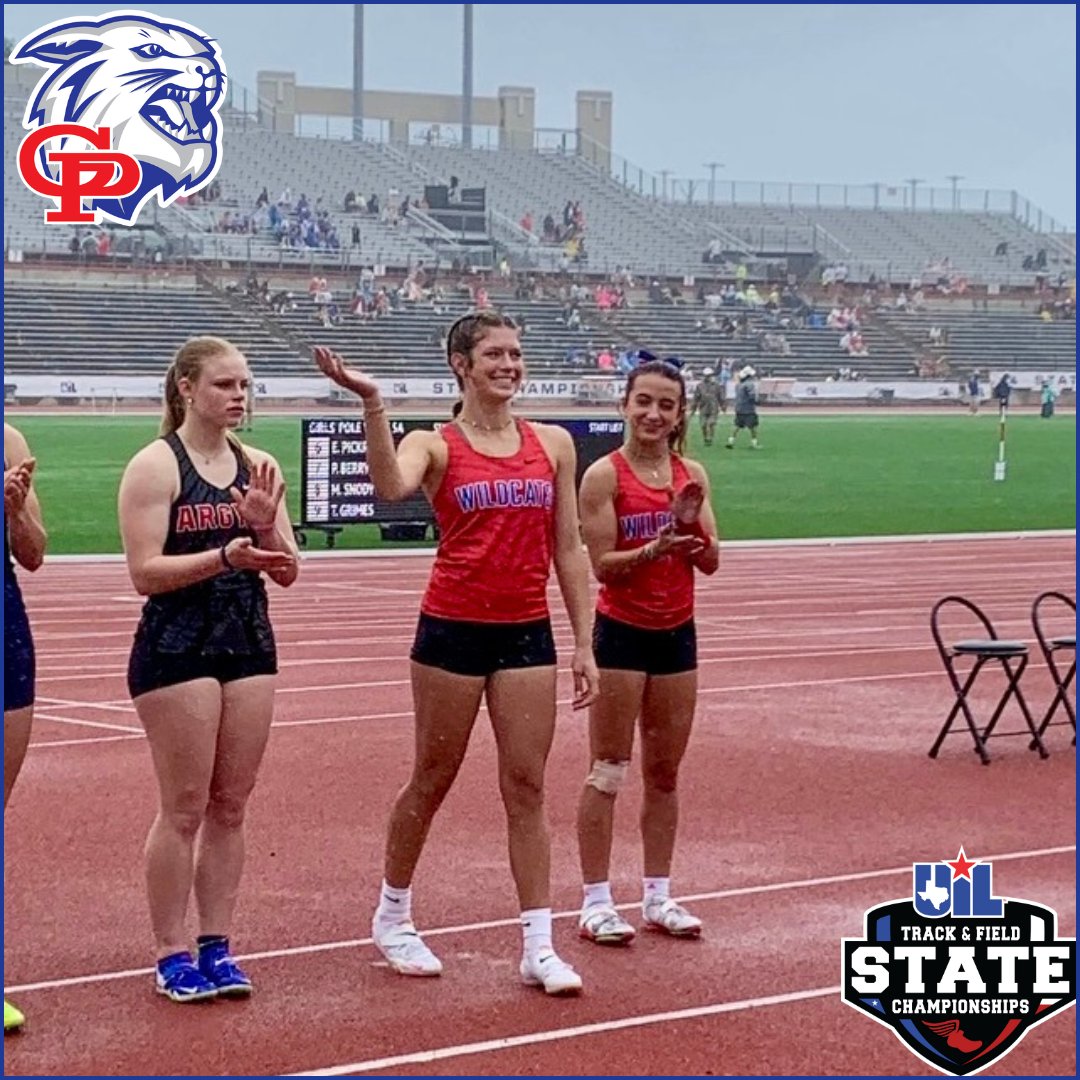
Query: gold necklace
point(198, 453)
point(484, 427)
point(652, 470)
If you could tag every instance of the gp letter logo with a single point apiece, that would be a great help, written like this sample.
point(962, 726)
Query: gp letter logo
point(127, 109)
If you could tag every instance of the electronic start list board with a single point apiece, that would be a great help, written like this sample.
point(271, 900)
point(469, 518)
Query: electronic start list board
point(336, 486)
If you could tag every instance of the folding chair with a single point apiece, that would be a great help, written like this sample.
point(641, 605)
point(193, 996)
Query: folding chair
point(1013, 656)
point(1051, 646)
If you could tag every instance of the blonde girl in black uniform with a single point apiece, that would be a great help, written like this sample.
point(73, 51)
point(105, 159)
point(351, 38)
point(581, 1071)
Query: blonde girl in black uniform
point(202, 519)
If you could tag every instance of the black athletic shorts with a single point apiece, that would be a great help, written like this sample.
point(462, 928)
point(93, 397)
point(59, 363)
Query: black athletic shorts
point(225, 637)
point(746, 420)
point(475, 648)
point(18, 652)
point(624, 647)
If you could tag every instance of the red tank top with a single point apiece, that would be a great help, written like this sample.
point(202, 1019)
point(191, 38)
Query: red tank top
point(496, 519)
point(654, 595)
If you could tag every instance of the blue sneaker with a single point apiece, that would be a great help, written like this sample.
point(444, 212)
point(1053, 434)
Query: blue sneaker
point(178, 979)
point(218, 968)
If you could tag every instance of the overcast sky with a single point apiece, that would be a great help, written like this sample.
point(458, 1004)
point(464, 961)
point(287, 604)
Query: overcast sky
point(826, 93)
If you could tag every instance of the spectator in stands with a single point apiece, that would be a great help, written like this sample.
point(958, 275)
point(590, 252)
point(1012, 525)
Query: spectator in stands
point(475, 636)
point(605, 360)
point(24, 539)
point(526, 222)
point(202, 518)
point(550, 235)
point(373, 205)
point(104, 244)
point(281, 302)
point(773, 342)
point(350, 201)
point(645, 642)
point(746, 400)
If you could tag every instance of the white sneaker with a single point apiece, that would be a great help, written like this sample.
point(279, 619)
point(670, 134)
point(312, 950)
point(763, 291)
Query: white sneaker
point(405, 950)
point(605, 926)
point(556, 976)
point(667, 917)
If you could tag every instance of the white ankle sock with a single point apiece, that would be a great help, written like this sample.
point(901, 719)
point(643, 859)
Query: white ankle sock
point(536, 931)
point(655, 890)
point(395, 906)
point(598, 895)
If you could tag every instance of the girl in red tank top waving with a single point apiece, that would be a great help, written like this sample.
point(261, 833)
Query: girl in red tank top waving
point(504, 499)
point(649, 525)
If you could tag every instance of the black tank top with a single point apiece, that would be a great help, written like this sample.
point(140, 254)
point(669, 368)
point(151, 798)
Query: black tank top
point(223, 614)
point(203, 516)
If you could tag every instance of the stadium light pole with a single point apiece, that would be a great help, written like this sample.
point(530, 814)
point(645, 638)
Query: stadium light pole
point(914, 181)
point(466, 79)
point(955, 178)
point(358, 74)
point(712, 166)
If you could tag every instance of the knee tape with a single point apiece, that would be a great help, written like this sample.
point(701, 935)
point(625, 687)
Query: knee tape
point(607, 776)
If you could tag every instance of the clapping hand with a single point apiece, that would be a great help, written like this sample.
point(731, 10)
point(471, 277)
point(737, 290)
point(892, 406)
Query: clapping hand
point(242, 554)
point(687, 502)
point(17, 482)
point(258, 504)
point(669, 542)
point(333, 367)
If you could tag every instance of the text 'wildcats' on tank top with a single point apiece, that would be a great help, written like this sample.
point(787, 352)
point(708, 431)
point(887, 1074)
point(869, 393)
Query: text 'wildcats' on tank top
point(496, 519)
point(655, 595)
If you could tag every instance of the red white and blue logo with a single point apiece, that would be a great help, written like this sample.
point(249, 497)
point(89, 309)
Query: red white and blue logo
point(958, 974)
point(126, 111)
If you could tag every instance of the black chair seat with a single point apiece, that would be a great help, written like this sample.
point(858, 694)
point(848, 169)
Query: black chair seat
point(990, 647)
point(1067, 642)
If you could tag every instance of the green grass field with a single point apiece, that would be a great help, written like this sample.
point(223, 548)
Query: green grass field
point(859, 475)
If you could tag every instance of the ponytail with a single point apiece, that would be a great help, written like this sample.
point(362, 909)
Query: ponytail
point(174, 403)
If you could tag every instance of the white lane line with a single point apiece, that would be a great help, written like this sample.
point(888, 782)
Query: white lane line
point(510, 1042)
point(84, 723)
point(723, 894)
point(104, 706)
point(83, 742)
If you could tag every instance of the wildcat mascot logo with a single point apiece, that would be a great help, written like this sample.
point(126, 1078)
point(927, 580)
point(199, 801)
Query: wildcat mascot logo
point(141, 93)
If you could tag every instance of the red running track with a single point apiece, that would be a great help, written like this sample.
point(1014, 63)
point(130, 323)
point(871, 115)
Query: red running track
point(807, 794)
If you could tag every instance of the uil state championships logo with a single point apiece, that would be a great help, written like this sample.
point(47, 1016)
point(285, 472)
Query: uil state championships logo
point(958, 974)
point(127, 109)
